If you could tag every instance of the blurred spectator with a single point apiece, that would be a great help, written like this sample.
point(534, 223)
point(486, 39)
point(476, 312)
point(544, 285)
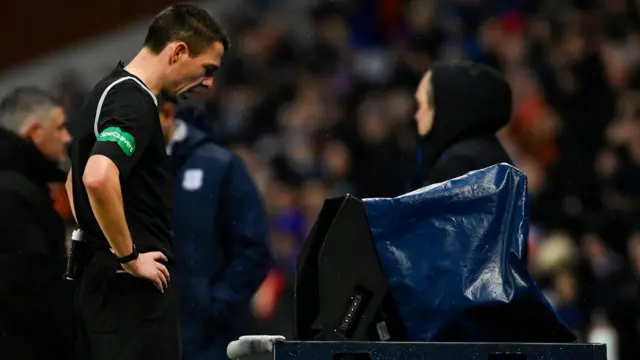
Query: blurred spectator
point(220, 232)
point(567, 303)
point(35, 304)
point(556, 253)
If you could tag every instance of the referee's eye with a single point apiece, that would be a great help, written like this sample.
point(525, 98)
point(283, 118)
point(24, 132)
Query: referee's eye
point(209, 70)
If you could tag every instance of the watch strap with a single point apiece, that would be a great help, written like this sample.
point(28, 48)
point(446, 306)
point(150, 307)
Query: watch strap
point(128, 258)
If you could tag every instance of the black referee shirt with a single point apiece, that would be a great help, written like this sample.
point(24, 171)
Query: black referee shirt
point(120, 121)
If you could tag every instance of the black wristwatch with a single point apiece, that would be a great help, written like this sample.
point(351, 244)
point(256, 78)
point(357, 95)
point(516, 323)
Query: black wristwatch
point(128, 258)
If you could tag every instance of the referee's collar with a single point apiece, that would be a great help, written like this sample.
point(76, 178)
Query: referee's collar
point(121, 68)
point(180, 132)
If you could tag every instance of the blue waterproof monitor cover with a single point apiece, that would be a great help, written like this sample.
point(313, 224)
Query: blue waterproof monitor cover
point(454, 257)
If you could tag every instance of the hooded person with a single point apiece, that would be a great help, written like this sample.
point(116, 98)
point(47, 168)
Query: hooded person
point(461, 106)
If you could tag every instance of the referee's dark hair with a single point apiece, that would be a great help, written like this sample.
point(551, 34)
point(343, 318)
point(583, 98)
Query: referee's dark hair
point(185, 22)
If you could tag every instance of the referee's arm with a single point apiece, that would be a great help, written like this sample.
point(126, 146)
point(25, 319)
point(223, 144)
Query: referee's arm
point(69, 187)
point(101, 178)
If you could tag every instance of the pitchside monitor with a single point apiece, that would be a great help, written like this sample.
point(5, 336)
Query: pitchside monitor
point(341, 292)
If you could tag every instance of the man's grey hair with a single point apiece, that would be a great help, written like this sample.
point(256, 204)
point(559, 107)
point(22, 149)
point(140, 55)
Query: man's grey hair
point(25, 104)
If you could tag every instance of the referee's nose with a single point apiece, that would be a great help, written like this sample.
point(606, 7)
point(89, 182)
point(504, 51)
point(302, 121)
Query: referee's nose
point(208, 83)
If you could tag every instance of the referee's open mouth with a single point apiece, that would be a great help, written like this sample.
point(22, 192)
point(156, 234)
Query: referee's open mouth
point(193, 90)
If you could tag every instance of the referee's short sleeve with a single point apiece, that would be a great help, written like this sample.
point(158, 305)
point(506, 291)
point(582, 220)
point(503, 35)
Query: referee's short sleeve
point(124, 125)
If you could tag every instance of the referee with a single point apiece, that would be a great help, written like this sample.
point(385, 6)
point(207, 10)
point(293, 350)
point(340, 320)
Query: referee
point(121, 190)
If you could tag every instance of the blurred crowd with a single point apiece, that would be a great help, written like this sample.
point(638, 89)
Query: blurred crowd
point(322, 104)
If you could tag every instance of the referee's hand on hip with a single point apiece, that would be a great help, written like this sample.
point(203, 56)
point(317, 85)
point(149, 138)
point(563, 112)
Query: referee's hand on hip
point(148, 266)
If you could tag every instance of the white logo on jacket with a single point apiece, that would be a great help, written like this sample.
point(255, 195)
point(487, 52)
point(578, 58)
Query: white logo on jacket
point(192, 179)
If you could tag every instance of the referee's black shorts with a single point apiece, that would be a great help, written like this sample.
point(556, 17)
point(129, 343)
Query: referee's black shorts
point(123, 317)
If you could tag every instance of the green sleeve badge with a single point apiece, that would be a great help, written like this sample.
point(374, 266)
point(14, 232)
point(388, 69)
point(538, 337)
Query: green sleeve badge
point(114, 134)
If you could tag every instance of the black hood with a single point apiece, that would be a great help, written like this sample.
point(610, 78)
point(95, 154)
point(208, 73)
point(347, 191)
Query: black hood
point(20, 155)
point(471, 100)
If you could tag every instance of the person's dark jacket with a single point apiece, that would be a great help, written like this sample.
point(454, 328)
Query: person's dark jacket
point(472, 102)
point(35, 302)
point(220, 243)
